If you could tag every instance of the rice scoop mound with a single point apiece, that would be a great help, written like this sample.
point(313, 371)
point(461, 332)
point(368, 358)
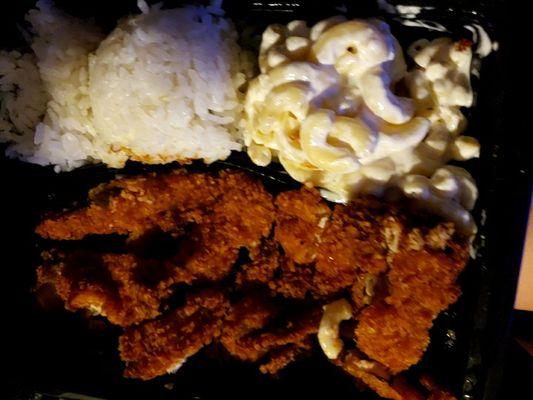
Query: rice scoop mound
point(48, 118)
point(164, 87)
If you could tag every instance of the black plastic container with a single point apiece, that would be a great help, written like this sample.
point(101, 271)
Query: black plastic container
point(53, 352)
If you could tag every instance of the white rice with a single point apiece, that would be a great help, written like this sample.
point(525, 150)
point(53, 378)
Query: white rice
point(65, 137)
point(23, 98)
point(163, 86)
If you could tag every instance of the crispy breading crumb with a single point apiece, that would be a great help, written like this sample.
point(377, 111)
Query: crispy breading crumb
point(104, 284)
point(295, 280)
point(262, 267)
point(124, 206)
point(300, 220)
point(250, 314)
point(281, 357)
point(352, 243)
point(252, 330)
point(157, 347)
point(395, 330)
point(438, 237)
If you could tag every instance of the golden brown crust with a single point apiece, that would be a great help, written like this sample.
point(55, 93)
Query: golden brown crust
point(157, 347)
point(295, 280)
point(250, 314)
point(262, 267)
point(253, 331)
point(294, 329)
point(125, 206)
point(300, 219)
point(105, 284)
point(366, 287)
point(353, 241)
point(391, 336)
point(283, 356)
point(130, 206)
point(421, 283)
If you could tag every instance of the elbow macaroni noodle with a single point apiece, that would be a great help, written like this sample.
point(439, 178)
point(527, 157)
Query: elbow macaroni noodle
point(328, 331)
point(450, 192)
point(325, 107)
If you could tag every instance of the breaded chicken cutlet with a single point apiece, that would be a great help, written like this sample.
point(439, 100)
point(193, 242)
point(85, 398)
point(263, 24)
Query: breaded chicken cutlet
point(421, 283)
point(224, 213)
point(249, 333)
point(160, 346)
point(261, 255)
point(104, 284)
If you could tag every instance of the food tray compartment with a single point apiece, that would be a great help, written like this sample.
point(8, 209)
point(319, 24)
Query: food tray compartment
point(53, 352)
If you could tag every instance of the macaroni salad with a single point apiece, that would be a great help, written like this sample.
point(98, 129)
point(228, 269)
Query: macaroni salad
point(336, 105)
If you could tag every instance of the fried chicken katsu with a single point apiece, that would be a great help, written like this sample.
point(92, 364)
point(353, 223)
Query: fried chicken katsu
point(352, 244)
point(104, 284)
point(421, 283)
point(253, 332)
point(300, 220)
point(160, 346)
point(258, 271)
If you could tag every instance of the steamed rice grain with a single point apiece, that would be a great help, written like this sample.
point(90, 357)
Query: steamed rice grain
point(23, 98)
point(170, 94)
point(163, 86)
